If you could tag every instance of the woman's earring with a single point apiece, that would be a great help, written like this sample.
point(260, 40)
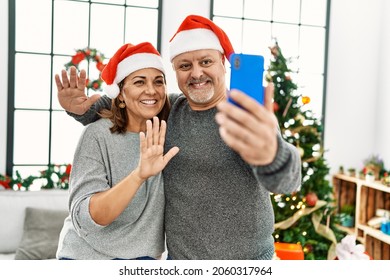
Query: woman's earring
point(122, 105)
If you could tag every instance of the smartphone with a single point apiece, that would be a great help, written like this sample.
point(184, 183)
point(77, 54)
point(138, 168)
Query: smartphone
point(246, 75)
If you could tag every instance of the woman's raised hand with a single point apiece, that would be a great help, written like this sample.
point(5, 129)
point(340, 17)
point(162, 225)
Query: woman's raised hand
point(152, 158)
point(71, 91)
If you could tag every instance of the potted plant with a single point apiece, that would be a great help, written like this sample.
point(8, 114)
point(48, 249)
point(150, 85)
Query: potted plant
point(374, 164)
point(347, 215)
point(370, 176)
point(352, 172)
point(386, 179)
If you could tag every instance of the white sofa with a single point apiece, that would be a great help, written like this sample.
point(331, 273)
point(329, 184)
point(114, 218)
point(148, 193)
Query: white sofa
point(30, 222)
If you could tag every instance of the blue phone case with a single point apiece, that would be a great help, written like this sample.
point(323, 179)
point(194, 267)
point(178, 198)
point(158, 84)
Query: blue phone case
point(247, 75)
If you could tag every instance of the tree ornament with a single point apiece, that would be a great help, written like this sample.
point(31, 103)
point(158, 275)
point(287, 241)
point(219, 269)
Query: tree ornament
point(300, 118)
point(305, 100)
point(274, 50)
point(268, 77)
point(308, 248)
point(301, 151)
point(276, 107)
point(311, 199)
point(287, 107)
point(89, 55)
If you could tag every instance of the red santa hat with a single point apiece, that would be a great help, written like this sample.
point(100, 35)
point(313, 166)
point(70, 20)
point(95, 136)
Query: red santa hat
point(128, 59)
point(198, 33)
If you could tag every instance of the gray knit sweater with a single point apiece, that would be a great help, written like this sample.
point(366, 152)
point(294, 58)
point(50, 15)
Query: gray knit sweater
point(101, 160)
point(217, 205)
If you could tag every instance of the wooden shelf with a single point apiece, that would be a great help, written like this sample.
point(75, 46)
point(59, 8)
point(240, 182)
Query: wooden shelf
point(367, 197)
point(375, 233)
point(351, 231)
point(374, 185)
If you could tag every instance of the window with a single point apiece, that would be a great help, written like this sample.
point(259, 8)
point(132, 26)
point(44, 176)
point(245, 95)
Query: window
point(40, 132)
point(299, 27)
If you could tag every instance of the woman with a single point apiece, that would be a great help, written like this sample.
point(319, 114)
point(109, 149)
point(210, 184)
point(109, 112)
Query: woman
point(116, 188)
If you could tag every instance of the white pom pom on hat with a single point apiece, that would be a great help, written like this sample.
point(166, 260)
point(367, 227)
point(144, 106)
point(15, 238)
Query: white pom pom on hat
point(198, 33)
point(111, 90)
point(128, 59)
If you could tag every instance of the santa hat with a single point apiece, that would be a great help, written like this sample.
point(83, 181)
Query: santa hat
point(198, 33)
point(128, 59)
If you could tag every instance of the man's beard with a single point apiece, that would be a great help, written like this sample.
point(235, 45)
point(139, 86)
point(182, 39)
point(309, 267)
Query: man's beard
point(202, 95)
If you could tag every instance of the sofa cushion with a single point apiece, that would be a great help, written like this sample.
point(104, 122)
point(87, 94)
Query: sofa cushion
point(10, 256)
point(42, 228)
point(12, 212)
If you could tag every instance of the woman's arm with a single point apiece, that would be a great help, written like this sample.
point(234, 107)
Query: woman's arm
point(106, 206)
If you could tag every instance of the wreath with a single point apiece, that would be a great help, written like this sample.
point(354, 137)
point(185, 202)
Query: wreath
point(90, 55)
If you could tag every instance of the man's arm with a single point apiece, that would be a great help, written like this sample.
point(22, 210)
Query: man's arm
point(72, 97)
point(284, 174)
point(253, 132)
point(91, 115)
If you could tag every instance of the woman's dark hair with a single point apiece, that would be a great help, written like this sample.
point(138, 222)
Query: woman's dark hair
point(119, 117)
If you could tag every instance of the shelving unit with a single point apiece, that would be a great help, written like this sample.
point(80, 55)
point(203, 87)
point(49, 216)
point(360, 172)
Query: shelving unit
point(367, 198)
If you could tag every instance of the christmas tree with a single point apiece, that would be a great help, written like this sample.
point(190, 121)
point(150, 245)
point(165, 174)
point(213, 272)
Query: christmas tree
point(308, 216)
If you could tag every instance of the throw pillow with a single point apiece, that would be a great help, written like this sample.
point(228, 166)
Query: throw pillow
point(41, 233)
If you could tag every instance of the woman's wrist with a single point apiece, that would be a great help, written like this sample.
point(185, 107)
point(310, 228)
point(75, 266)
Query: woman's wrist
point(136, 174)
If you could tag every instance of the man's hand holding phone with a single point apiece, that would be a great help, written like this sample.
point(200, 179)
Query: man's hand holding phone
point(252, 129)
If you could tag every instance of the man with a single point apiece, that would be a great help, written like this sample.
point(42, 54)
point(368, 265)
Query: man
point(218, 186)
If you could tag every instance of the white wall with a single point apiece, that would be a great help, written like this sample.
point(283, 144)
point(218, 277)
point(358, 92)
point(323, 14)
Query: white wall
point(3, 81)
point(358, 94)
point(382, 141)
point(174, 12)
point(355, 109)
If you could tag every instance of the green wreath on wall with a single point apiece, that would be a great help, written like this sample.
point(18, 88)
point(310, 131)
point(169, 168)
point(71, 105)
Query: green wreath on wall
point(92, 56)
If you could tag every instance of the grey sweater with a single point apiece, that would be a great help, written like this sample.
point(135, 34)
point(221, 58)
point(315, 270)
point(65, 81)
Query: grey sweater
point(101, 160)
point(217, 205)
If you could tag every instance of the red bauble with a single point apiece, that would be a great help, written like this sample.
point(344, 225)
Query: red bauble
point(276, 106)
point(311, 199)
